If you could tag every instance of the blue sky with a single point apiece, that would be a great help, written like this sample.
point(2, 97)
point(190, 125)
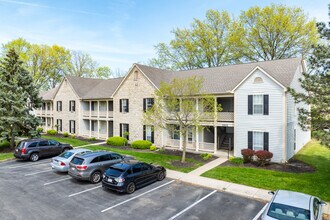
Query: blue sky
point(117, 33)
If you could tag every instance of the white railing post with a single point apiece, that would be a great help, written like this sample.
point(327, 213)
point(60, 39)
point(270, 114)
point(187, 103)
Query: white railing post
point(98, 129)
point(90, 128)
point(107, 124)
point(98, 109)
point(215, 138)
point(90, 109)
point(181, 140)
point(107, 110)
point(197, 138)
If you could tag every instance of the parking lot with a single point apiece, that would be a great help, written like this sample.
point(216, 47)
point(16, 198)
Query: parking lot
point(33, 191)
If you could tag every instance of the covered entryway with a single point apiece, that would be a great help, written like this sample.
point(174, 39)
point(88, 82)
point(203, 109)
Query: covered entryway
point(225, 138)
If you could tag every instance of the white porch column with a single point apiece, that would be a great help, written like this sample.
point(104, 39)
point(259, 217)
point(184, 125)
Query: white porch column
point(98, 128)
point(215, 138)
point(90, 128)
point(107, 122)
point(98, 109)
point(90, 109)
point(197, 139)
point(107, 111)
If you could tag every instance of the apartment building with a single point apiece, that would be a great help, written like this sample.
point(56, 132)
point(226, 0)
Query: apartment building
point(258, 112)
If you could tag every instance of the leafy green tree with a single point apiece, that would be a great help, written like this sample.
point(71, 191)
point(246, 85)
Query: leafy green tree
point(175, 104)
point(275, 32)
point(316, 83)
point(18, 97)
point(206, 43)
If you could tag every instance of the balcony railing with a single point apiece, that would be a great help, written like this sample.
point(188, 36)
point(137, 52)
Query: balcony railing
point(173, 143)
point(102, 114)
point(226, 116)
point(204, 146)
point(94, 114)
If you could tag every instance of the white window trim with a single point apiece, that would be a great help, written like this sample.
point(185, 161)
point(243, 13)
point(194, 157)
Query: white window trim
point(253, 142)
point(262, 104)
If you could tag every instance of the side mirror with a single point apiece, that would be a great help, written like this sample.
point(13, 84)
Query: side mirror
point(322, 203)
point(271, 193)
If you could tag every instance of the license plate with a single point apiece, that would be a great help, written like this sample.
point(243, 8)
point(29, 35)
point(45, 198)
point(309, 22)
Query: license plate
point(110, 180)
point(72, 168)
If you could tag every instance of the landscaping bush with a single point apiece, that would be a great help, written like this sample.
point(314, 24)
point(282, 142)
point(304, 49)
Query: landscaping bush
point(40, 130)
point(92, 139)
point(236, 160)
point(141, 144)
point(73, 136)
point(263, 157)
point(65, 134)
point(206, 156)
point(247, 155)
point(116, 141)
point(4, 144)
point(153, 148)
point(51, 132)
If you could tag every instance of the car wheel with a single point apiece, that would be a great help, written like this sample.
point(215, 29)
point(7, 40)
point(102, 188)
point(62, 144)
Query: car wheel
point(161, 175)
point(96, 177)
point(130, 188)
point(65, 149)
point(34, 157)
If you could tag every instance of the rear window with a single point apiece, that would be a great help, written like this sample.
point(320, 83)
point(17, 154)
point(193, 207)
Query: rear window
point(114, 171)
point(21, 144)
point(66, 154)
point(34, 144)
point(77, 161)
point(281, 211)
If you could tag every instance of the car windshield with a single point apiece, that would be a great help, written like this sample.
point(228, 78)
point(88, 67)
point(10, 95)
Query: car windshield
point(286, 212)
point(115, 171)
point(77, 161)
point(66, 154)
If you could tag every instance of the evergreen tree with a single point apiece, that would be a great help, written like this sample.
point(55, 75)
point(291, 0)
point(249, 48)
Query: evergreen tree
point(317, 85)
point(18, 97)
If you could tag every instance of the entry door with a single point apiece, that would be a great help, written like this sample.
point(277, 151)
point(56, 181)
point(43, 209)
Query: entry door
point(110, 128)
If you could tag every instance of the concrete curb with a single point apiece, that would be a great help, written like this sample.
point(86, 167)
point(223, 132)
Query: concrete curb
point(99, 143)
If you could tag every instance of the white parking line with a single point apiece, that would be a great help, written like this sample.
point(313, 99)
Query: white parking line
point(29, 164)
point(135, 197)
point(30, 174)
point(74, 194)
point(56, 181)
point(192, 205)
point(260, 212)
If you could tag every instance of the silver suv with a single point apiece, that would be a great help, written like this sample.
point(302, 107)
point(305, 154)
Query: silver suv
point(91, 166)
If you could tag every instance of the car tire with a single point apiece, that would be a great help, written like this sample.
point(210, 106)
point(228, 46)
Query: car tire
point(130, 188)
point(96, 177)
point(34, 157)
point(161, 175)
point(65, 149)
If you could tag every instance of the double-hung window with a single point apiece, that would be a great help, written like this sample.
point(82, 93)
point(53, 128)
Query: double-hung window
point(148, 133)
point(258, 140)
point(72, 126)
point(258, 104)
point(59, 124)
point(124, 130)
point(59, 106)
point(72, 106)
point(147, 103)
point(124, 105)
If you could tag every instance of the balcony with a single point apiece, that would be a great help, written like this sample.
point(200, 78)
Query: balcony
point(96, 114)
point(225, 116)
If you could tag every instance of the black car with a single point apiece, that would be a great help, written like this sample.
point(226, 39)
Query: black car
point(33, 149)
point(130, 175)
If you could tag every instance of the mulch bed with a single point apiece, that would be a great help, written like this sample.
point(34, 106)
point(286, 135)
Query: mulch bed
point(293, 166)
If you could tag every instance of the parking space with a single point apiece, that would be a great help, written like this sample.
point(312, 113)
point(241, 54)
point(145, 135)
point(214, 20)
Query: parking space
point(33, 191)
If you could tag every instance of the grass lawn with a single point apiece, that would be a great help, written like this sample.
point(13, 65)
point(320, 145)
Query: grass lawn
point(73, 141)
point(316, 183)
point(153, 157)
point(6, 156)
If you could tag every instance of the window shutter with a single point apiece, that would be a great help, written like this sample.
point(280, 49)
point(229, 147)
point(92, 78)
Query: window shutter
point(152, 134)
point(70, 109)
point(61, 105)
point(266, 104)
point(120, 130)
point(144, 104)
point(74, 127)
point(250, 140)
point(74, 106)
point(70, 126)
point(120, 107)
point(266, 141)
point(250, 104)
point(144, 132)
point(152, 101)
point(127, 105)
point(127, 130)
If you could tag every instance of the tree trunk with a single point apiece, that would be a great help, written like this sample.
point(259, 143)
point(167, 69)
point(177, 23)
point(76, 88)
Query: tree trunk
point(12, 139)
point(184, 142)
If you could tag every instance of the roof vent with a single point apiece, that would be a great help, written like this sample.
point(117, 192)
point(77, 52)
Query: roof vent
point(258, 80)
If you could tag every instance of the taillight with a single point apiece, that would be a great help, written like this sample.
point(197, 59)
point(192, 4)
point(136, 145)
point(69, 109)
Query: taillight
point(62, 164)
point(23, 150)
point(119, 179)
point(81, 167)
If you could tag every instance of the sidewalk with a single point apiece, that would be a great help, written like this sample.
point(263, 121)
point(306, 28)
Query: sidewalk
point(99, 143)
point(234, 188)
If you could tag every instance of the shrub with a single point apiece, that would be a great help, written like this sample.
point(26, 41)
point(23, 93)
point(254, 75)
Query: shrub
point(92, 139)
point(236, 160)
point(65, 134)
point(51, 132)
point(4, 144)
point(153, 148)
point(141, 144)
point(263, 157)
point(116, 141)
point(206, 156)
point(73, 136)
point(40, 129)
point(247, 155)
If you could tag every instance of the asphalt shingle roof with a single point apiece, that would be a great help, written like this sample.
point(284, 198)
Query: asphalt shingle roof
point(226, 78)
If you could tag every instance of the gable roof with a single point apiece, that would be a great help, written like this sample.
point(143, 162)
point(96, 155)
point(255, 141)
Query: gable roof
point(89, 88)
point(225, 78)
point(50, 94)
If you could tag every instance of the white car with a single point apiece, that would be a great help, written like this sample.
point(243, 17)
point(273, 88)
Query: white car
point(61, 162)
point(288, 205)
